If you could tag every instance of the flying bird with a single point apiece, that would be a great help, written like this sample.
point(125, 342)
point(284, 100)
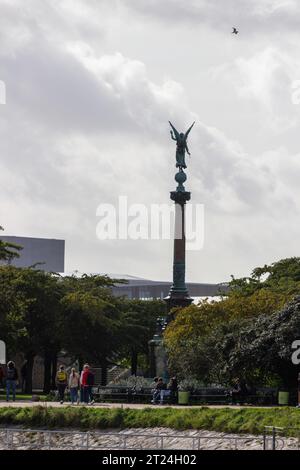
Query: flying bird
point(234, 30)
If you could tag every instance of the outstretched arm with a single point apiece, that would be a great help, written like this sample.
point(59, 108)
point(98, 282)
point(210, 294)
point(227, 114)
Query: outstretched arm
point(172, 135)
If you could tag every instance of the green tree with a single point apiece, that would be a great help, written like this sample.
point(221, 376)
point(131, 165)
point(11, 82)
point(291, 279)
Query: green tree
point(212, 341)
point(30, 313)
point(266, 345)
point(282, 277)
point(91, 320)
point(8, 250)
point(13, 306)
point(42, 317)
point(138, 325)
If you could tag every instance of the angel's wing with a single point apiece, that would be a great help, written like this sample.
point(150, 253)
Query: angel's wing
point(175, 131)
point(189, 130)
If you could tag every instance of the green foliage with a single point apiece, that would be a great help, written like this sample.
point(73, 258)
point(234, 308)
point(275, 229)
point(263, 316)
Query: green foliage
point(247, 420)
point(8, 251)
point(247, 334)
point(43, 313)
point(91, 318)
point(138, 320)
point(136, 382)
point(190, 384)
point(282, 277)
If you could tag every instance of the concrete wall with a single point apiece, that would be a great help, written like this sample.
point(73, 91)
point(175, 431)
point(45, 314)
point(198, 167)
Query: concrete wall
point(48, 251)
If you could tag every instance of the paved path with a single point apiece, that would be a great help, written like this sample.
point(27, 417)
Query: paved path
point(137, 406)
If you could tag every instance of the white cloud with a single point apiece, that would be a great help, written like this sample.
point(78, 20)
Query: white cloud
point(255, 16)
point(86, 121)
point(266, 79)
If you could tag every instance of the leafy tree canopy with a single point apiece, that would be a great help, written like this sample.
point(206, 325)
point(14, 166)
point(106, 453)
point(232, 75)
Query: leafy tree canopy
point(8, 251)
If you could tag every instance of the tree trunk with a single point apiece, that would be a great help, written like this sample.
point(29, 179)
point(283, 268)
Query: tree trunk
point(104, 372)
point(54, 370)
point(80, 364)
point(47, 371)
point(30, 362)
point(134, 362)
point(152, 359)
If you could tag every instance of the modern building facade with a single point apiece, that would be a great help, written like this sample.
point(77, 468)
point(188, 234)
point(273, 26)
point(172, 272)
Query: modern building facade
point(46, 253)
point(146, 289)
point(137, 288)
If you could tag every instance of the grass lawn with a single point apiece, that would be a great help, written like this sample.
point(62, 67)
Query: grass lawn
point(250, 420)
point(20, 396)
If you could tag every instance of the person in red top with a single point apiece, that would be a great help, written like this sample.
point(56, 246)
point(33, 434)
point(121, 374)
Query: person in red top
point(84, 383)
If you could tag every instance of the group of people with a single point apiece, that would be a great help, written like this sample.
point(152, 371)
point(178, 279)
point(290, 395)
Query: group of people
point(161, 390)
point(79, 385)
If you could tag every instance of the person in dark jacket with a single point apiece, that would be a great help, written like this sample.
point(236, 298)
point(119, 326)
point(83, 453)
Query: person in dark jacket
point(11, 380)
point(239, 391)
point(157, 395)
point(173, 387)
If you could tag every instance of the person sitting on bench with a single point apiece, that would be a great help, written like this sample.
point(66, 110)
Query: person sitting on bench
point(160, 386)
point(239, 391)
point(173, 387)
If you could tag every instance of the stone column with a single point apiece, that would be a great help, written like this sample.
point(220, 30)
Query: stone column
point(178, 295)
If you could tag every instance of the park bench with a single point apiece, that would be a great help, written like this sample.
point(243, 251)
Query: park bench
point(115, 393)
point(112, 393)
point(204, 396)
point(214, 396)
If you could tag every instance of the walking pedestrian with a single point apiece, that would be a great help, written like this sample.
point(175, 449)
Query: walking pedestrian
point(11, 380)
point(61, 383)
point(84, 384)
point(74, 384)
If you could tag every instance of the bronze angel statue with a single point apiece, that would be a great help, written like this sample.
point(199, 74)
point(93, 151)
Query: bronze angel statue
point(181, 145)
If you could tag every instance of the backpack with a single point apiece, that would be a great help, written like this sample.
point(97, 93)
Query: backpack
point(61, 376)
point(11, 374)
point(90, 379)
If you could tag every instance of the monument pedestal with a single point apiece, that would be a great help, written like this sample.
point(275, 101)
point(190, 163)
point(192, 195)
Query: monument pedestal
point(158, 358)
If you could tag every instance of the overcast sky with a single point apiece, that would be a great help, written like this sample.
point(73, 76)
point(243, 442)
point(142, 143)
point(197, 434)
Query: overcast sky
point(90, 87)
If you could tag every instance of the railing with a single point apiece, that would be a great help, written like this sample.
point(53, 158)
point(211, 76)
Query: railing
point(273, 438)
point(71, 440)
point(276, 438)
